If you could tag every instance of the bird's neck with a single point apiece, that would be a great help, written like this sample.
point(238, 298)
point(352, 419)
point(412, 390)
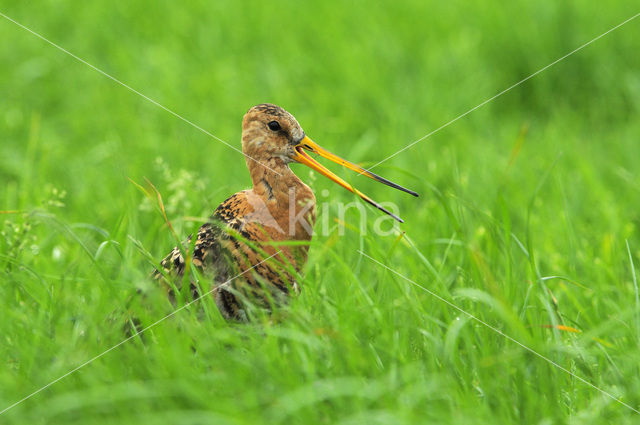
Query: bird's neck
point(289, 200)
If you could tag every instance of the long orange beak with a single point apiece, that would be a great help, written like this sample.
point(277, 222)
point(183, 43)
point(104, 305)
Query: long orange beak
point(305, 159)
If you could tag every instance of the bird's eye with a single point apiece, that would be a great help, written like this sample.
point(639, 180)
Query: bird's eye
point(274, 126)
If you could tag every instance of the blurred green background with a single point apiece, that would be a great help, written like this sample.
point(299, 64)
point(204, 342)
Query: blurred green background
point(528, 217)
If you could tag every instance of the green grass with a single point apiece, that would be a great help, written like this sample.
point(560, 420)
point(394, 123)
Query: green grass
point(527, 207)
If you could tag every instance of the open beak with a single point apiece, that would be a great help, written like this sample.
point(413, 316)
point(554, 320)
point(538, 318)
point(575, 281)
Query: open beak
point(311, 146)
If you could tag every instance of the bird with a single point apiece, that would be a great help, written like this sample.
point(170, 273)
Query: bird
point(256, 242)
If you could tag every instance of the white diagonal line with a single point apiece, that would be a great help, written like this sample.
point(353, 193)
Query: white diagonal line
point(132, 336)
point(531, 350)
point(502, 92)
point(95, 68)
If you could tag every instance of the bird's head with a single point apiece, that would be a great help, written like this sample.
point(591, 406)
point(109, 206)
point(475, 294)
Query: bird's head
point(268, 132)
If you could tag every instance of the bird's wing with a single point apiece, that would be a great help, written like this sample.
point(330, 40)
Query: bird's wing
point(208, 250)
point(173, 264)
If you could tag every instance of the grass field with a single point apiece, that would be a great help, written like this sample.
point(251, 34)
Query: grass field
point(528, 217)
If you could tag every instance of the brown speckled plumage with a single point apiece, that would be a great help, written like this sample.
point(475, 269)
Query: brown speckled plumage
point(242, 230)
point(259, 215)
